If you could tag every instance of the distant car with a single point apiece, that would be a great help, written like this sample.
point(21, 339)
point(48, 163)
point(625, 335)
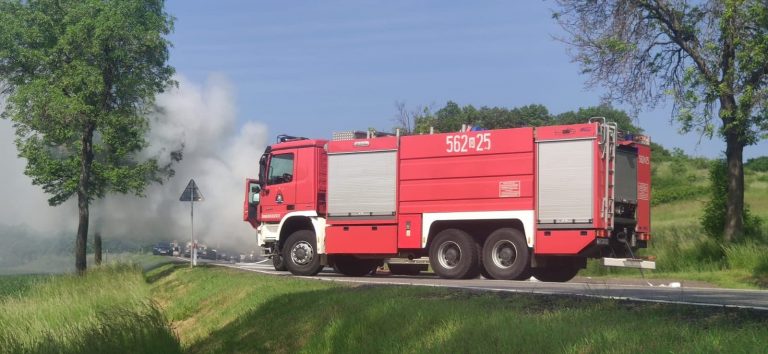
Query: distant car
point(207, 254)
point(162, 249)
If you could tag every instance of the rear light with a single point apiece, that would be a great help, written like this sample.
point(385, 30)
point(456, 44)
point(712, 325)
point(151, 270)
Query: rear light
point(642, 236)
point(601, 233)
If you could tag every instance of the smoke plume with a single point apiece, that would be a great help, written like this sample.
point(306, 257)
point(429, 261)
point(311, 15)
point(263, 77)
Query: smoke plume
point(218, 154)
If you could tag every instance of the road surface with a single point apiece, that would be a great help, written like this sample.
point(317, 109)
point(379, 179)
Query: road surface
point(680, 293)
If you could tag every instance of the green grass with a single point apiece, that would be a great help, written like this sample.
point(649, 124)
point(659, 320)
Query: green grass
point(173, 309)
point(108, 310)
point(60, 264)
point(18, 285)
point(216, 310)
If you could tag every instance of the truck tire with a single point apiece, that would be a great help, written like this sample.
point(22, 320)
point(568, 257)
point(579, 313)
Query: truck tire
point(405, 269)
point(278, 262)
point(559, 269)
point(300, 253)
point(559, 274)
point(453, 255)
point(355, 267)
point(506, 255)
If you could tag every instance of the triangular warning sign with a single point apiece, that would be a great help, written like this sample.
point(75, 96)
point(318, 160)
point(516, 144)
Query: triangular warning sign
point(191, 193)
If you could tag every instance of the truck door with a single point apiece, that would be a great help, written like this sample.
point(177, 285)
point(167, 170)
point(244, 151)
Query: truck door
point(279, 194)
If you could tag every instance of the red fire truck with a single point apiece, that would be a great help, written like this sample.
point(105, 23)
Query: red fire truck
point(506, 203)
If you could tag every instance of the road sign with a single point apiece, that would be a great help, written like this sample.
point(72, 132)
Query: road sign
point(191, 193)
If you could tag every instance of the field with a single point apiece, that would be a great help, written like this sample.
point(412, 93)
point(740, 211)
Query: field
point(217, 310)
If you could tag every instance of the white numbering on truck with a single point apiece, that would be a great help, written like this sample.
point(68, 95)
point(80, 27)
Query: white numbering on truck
point(466, 143)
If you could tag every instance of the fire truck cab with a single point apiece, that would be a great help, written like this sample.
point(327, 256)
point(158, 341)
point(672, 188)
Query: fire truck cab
point(505, 203)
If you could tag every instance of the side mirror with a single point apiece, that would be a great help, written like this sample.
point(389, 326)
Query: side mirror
point(253, 195)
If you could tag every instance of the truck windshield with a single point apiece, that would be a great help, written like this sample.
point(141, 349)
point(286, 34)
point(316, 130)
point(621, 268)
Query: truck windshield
point(280, 169)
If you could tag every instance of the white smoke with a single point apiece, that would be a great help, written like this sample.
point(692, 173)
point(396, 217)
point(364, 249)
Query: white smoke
point(218, 154)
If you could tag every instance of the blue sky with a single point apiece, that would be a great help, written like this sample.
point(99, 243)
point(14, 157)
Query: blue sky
point(312, 67)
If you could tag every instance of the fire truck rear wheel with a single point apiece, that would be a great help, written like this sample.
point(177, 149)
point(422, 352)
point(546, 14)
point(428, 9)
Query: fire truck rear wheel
point(300, 253)
point(453, 255)
point(506, 255)
point(278, 262)
point(354, 267)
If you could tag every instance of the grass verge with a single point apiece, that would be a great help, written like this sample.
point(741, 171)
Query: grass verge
point(224, 310)
point(108, 310)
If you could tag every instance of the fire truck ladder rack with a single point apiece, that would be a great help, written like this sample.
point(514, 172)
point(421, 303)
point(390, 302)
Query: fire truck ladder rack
point(608, 133)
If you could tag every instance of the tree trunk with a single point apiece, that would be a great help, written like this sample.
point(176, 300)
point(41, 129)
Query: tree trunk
point(86, 159)
point(734, 210)
point(734, 151)
point(97, 248)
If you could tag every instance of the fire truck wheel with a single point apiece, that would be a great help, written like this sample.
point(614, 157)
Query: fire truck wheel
point(278, 262)
point(506, 255)
point(354, 267)
point(558, 274)
point(300, 253)
point(453, 255)
point(485, 273)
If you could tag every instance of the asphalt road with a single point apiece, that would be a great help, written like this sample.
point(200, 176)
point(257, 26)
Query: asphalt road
point(655, 292)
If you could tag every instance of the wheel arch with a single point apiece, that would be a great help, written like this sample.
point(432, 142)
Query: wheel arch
point(478, 224)
point(302, 220)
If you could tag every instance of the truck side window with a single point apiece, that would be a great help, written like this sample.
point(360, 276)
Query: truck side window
point(280, 169)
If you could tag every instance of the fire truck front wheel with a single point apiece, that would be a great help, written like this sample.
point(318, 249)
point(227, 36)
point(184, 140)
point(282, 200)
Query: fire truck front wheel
point(506, 255)
point(453, 254)
point(300, 253)
point(278, 262)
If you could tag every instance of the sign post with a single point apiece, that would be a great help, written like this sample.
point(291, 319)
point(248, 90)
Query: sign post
point(192, 194)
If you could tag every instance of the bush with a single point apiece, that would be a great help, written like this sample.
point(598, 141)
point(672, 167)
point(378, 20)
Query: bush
point(713, 219)
point(759, 164)
point(681, 192)
point(749, 256)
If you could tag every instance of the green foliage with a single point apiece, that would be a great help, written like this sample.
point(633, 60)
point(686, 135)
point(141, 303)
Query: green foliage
point(679, 192)
point(759, 164)
point(81, 77)
point(108, 310)
point(452, 116)
point(659, 153)
point(621, 118)
point(713, 220)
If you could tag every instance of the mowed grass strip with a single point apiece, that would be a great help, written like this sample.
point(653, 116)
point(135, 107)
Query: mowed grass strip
point(108, 310)
point(226, 310)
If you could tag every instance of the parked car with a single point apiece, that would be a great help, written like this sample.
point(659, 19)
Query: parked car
point(207, 253)
point(162, 249)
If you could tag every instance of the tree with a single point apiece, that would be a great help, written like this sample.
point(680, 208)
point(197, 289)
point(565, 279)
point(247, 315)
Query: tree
point(80, 78)
point(714, 209)
point(408, 121)
point(706, 56)
point(621, 118)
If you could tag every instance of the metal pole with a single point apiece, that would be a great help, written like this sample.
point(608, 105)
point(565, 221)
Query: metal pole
point(193, 252)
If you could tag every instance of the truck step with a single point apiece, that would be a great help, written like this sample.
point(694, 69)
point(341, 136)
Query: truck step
point(628, 263)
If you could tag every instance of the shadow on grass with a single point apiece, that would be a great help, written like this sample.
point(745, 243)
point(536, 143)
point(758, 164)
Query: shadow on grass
point(170, 268)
